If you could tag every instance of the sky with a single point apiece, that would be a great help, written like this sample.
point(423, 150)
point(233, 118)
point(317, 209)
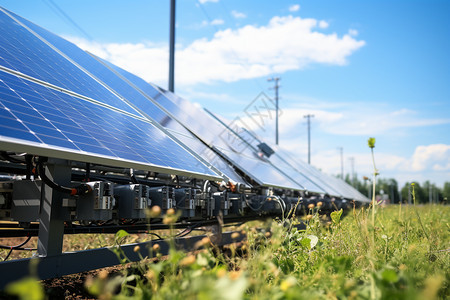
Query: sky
point(363, 68)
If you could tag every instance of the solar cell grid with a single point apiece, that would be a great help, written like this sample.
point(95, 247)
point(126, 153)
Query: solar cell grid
point(86, 128)
point(203, 126)
point(24, 52)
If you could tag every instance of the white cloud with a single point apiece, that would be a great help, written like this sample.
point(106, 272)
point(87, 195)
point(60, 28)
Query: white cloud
point(285, 44)
point(436, 157)
point(360, 119)
point(353, 32)
point(238, 15)
point(294, 8)
point(217, 22)
point(323, 24)
point(205, 1)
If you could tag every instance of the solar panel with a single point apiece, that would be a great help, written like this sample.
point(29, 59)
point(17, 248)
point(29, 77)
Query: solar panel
point(246, 137)
point(344, 189)
point(46, 115)
point(329, 184)
point(207, 129)
point(332, 185)
point(211, 132)
point(98, 70)
point(24, 52)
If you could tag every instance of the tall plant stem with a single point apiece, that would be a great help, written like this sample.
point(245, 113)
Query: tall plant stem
point(373, 187)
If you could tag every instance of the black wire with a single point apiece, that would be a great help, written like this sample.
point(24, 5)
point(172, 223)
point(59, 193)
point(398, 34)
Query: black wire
point(7, 157)
point(17, 247)
point(28, 159)
point(88, 172)
point(81, 189)
point(50, 183)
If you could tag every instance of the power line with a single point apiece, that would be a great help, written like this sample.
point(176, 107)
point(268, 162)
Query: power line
point(67, 18)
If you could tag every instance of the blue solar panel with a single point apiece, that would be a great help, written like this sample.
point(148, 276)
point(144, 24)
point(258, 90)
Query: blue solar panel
point(331, 185)
point(102, 74)
point(210, 131)
point(22, 51)
point(38, 116)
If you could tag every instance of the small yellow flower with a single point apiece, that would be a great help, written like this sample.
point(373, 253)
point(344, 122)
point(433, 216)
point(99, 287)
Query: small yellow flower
point(202, 243)
point(371, 142)
point(235, 235)
point(311, 206)
point(309, 217)
point(156, 247)
point(221, 273)
point(103, 274)
point(154, 212)
point(170, 211)
point(234, 275)
point(150, 275)
point(287, 283)
point(136, 248)
point(187, 261)
point(319, 204)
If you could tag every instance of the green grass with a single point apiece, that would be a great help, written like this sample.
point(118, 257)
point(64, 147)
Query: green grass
point(338, 258)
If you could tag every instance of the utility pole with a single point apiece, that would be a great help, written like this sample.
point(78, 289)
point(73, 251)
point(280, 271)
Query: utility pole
point(172, 47)
point(276, 79)
point(341, 149)
point(309, 116)
point(352, 162)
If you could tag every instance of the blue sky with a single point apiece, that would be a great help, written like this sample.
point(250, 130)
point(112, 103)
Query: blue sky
point(363, 68)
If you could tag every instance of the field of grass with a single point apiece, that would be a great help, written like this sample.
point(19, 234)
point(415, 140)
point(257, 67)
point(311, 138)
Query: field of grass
point(406, 255)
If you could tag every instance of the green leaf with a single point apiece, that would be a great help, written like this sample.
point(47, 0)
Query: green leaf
point(26, 289)
point(371, 142)
point(336, 216)
point(120, 235)
point(313, 240)
point(306, 242)
point(389, 276)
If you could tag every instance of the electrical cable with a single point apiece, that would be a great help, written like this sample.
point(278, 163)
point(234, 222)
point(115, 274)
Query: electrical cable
point(133, 177)
point(79, 190)
point(17, 247)
point(87, 178)
point(5, 155)
point(256, 209)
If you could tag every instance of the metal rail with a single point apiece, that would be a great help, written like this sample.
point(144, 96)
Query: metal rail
point(76, 262)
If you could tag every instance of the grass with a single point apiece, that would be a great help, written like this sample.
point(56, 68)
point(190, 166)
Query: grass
point(401, 257)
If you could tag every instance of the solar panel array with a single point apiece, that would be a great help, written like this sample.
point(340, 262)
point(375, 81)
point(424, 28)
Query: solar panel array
point(56, 98)
point(51, 105)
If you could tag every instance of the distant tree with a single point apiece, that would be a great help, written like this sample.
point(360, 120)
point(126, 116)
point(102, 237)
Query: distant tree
point(389, 186)
point(446, 193)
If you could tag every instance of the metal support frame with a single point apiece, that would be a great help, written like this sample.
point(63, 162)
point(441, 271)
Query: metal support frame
point(51, 216)
point(81, 261)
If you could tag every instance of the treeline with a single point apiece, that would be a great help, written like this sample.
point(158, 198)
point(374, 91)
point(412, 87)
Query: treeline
point(388, 189)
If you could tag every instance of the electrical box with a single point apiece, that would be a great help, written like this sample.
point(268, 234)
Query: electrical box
point(162, 196)
point(185, 201)
point(222, 203)
point(237, 202)
point(26, 199)
point(132, 200)
point(98, 204)
point(6, 189)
